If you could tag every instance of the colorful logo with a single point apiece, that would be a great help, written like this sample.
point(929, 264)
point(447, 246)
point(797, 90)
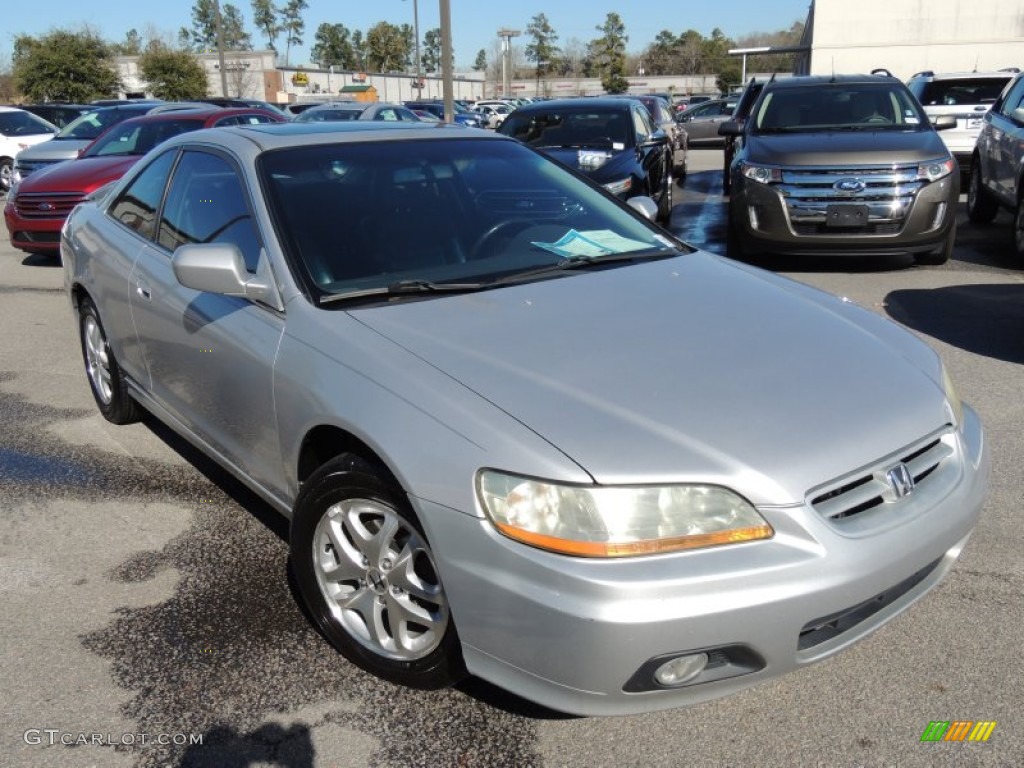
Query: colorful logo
point(958, 730)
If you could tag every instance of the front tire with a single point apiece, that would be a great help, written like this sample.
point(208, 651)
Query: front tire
point(367, 574)
point(981, 206)
point(6, 174)
point(1018, 229)
point(665, 202)
point(106, 379)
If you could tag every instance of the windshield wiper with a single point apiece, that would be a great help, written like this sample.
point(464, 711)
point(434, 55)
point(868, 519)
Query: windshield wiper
point(585, 262)
point(401, 288)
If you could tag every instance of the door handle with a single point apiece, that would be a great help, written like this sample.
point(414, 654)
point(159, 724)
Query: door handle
point(142, 288)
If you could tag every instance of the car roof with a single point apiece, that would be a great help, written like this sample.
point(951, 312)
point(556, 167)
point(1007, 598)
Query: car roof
point(800, 81)
point(200, 115)
point(610, 103)
point(1008, 73)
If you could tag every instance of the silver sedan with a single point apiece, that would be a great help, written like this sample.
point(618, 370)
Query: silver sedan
point(519, 430)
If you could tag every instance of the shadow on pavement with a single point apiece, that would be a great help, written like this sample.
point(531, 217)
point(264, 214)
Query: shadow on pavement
point(983, 319)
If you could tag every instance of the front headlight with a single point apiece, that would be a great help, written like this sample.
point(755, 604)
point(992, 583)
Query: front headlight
point(595, 521)
point(760, 173)
point(956, 406)
point(934, 170)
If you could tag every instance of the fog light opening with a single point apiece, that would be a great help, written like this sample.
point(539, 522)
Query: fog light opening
point(940, 214)
point(752, 213)
point(680, 670)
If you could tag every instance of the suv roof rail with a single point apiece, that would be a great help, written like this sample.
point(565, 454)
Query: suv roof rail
point(882, 71)
point(1015, 70)
point(923, 73)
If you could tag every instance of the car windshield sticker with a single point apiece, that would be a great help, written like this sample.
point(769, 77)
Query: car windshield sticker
point(594, 242)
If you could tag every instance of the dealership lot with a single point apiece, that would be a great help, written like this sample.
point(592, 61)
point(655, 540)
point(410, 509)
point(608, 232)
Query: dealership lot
point(144, 595)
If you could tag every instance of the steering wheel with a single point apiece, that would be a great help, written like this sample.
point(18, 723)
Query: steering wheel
point(875, 119)
point(506, 228)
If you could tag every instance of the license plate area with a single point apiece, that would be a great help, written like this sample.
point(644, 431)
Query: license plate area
point(846, 216)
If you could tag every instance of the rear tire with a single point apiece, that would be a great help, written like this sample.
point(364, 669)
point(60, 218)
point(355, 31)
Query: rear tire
point(665, 201)
point(1018, 229)
point(363, 567)
point(106, 379)
point(981, 206)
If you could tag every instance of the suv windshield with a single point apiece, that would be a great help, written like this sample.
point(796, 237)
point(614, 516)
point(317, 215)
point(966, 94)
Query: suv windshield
point(138, 138)
point(839, 106)
point(92, 124)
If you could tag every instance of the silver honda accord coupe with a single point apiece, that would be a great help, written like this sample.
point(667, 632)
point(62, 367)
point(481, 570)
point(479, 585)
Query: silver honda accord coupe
point(520, 431)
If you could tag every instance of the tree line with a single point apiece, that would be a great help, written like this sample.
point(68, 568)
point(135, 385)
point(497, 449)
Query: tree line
point(78, 66)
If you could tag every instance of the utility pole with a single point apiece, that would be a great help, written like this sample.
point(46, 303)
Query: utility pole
point(446, 61)
point(506, 36)
point(220, 49)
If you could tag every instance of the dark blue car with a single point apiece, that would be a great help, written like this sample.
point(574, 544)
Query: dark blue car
point(613, 141)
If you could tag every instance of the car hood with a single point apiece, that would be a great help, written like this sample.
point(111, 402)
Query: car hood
point(57, 149)
point(613, 169)
point(82, 175)
point(688, 369)
point(838, 148)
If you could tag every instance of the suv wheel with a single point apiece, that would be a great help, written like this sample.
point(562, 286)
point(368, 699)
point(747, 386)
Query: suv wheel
point(665, 202)
point(1018, 228)
point(981, 206)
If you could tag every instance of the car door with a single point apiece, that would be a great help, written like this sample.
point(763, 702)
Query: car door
point(702, 125)
point(652, 156)
point(1007, 136)
point(211, 357)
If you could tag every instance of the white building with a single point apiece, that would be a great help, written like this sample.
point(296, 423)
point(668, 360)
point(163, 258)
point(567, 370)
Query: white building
point(909, 36)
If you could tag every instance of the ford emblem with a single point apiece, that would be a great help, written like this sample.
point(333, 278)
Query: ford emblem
point(851, 186)
point(46, 206)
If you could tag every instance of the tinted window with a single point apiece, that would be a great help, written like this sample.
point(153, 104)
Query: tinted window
point(136, 206)
point(206, 204)
point(846, 105)
point(575, 126)
point(21, 123)
point(953, 91)
point(1014, 97)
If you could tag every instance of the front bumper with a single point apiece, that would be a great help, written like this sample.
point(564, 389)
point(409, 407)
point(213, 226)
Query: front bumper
point(34, 235)
point(765, 220)
point(582, 636)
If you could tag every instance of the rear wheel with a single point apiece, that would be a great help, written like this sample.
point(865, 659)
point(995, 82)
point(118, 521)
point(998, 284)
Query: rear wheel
point(1018, 229)
point(106, 379)
point(367, 574)
point(981, 206)
point(665, 201)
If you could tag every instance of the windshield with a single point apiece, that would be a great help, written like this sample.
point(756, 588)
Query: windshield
point(355, 217)
point(955, 91)
point(18, 122)
point(328, 115)
point(571, 128)
point(838, 106)
point(92, 124)
point(137, 138)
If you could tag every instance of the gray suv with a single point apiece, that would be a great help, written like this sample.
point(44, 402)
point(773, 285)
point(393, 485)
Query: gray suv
point(997, 168)
point(842, 164)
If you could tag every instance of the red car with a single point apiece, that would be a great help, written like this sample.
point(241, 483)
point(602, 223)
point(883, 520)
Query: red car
point(37, 206)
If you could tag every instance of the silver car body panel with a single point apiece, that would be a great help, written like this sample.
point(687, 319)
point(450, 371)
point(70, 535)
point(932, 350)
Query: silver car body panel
point(690, 368)
point(48, 153)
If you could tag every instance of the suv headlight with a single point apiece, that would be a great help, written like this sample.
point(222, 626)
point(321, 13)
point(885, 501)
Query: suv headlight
point(601, 521)
point(934, 170)
point(761, 173)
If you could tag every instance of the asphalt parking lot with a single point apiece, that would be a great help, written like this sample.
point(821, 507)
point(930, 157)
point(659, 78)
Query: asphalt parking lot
point(146, 607)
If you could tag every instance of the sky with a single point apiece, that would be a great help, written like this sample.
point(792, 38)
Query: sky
point(474, 23)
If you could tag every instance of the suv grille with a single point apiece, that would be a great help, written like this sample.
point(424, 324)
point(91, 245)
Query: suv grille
point(928, 465)
point(47, 205)
point(886, 194)
point(25, 167)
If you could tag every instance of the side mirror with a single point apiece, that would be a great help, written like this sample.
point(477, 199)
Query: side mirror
point(657, 138)
point(942, 122)
point(220, 268)
point(730, 128)
point(643, 205)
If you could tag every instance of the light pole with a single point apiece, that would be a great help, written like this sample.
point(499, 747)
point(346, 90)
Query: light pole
point(506, 36)
point(220, 48)
point(416, 42)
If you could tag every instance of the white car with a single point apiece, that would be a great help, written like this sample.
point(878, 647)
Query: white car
point(494, 112)
point(19, 130)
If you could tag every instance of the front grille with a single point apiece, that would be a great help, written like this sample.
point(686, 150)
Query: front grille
point(25, 167)
point(872, 487)
point(886, 193)
point(23, 236)
point(46, 205)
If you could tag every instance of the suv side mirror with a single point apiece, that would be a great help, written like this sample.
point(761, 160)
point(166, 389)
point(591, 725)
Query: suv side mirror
point(942, 122)
point(733, 128)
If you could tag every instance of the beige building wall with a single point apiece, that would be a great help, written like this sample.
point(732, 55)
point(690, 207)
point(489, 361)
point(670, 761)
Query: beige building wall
point(908, 36)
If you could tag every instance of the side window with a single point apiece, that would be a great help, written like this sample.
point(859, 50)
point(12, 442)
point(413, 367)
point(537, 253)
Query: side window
point(1014, 98)
point(206, 204)
point(387, 114)
point(136, 206)
point(641, 126)
point(233, 120)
